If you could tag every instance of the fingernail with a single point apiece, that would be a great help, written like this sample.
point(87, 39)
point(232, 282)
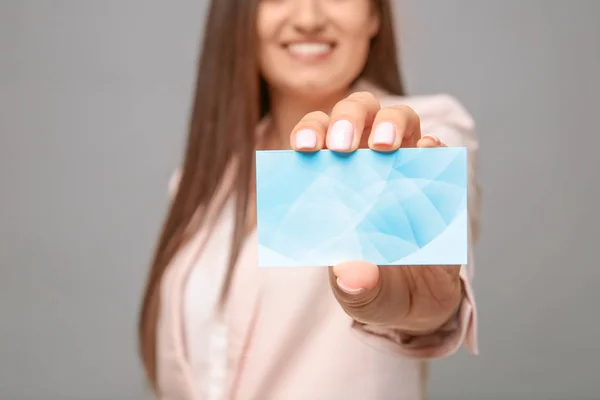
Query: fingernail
point(306, 139)
point(340, 137)
point(435, 138)
point(347, 289)
point(385, 133)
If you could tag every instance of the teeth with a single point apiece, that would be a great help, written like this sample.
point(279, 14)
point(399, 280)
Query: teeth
point(309, 49)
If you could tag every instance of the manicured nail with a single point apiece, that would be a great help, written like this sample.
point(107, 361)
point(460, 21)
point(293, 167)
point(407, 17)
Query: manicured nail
point(306, 139)
point(340, 137)
point(347, 289)
point(385, 133)
point(434, 138)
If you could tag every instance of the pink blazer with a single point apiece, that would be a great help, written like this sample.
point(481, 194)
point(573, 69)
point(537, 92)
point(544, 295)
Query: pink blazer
point(290, 340)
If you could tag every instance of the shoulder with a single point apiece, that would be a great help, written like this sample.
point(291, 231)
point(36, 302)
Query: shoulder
point(437, 109)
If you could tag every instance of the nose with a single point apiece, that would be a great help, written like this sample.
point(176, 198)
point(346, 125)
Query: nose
point(308, 16)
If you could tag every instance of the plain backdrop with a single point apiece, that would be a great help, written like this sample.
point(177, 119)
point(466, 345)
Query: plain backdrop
point(94, 100)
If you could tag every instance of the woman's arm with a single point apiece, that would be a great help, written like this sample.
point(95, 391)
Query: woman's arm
point(445, 118)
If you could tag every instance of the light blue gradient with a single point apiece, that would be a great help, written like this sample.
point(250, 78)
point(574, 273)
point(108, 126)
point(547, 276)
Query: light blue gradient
point(403, 208)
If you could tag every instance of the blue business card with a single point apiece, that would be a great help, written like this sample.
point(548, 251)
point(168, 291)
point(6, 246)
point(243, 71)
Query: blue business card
point(408, 207)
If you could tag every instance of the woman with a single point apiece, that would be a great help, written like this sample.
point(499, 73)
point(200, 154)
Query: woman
point(305, 75)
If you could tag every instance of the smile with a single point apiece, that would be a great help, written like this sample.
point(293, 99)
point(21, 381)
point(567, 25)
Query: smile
point(310, 51)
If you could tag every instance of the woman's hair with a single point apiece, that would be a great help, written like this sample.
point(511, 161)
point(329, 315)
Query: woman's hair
point(230, 99)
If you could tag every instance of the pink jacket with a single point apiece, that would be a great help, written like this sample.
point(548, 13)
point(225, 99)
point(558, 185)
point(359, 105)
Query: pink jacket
point(290, 340)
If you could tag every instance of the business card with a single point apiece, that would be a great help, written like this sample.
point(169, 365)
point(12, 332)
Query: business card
point(408, 207)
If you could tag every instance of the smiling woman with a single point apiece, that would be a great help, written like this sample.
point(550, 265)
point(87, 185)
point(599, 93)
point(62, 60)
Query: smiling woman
point(303, 75)
point(326, 48)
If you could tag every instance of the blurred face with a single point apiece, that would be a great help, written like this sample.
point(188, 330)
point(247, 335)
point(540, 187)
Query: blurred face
point(314, 47)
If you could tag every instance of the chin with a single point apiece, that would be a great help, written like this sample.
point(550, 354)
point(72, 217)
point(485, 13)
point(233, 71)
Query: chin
point(316, 88)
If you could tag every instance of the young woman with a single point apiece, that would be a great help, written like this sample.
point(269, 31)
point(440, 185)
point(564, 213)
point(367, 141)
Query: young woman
point(302, 75)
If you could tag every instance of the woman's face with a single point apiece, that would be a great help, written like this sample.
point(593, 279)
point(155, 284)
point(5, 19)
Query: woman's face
point(314, 47)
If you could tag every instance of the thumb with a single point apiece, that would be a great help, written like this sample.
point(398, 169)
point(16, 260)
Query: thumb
point(355, 277)
point(368, 293)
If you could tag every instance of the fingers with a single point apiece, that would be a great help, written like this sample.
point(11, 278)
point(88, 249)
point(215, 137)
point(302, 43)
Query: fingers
point(395, 127)
point(342, 131)
point(430, 141)
point(349, 119)
point(309, 133)
point(359, 121)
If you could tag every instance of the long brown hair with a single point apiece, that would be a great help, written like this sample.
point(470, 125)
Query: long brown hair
point(230, 99)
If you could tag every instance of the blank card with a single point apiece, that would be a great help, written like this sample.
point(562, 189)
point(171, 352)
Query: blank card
point(408, 207)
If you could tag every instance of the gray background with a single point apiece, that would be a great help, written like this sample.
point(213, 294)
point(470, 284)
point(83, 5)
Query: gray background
point(94, 97)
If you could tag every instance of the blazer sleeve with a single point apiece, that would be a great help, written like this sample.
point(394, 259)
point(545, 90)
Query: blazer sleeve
point(446, 118)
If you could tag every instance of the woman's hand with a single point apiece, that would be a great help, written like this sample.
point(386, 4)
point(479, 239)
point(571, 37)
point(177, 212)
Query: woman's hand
point(413, 299)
